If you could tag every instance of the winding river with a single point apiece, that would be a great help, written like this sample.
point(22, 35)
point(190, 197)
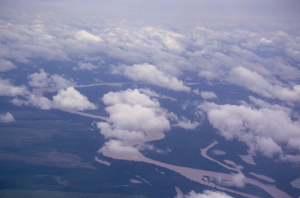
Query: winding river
point(190, 173)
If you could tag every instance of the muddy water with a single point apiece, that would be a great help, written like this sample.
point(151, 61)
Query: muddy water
point(197, 175)
point(190, 173)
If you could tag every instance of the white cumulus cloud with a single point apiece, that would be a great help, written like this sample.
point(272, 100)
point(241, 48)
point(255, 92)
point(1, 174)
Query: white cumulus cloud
point(205, 194)
point(68, 99)
point(43, 79)
point(72, 99)
point(85, 36)
point(6, 118)
point(131, 112)
point(263, 130)
point(7, 89)
point(117, 147)
point(237, 180)
point(258, 84)
point(150, 74)
point(205, 94)
point(131, 116)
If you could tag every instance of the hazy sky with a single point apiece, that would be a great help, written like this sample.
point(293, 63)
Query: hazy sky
point(172, 11)
point(250, 44)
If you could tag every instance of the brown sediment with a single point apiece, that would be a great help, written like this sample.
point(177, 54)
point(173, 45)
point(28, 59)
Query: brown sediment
point(229, 162)
point(262, 177)
point(190, 173)
point(296, 183)
point(248, 159)
point(198, 174)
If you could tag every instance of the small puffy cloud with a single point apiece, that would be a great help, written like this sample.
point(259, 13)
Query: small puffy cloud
point(150, 74)
point(6, 118)
point(85, 36)
point(68, 99)
point(205, 94)
point(43, 79)
point(60, 82)
point(6, 65)
point(72, 99)
point(41, 102)
point(85, 66)
point(208, 95)
point(185, 123)
point(7, 89)
point(263, 130)
point(117, 148)
point(237, 180)
point(39, 79)
point(121, 134)
point(205, 194)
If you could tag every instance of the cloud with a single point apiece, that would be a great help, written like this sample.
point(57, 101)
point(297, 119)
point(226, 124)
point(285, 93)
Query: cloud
point(205, 94)
point(6, 118)
point(85, 66)
point(264, 104)
point(132, 115)
point(6, 65)
point(118, 148)
point(267, 131)
point(121, 134)
point(132, 111)
point(68, 99)
point(205, 194)
point(258, 84)
point(208, 95)
point(130, 97)
point(39, 79)
point(41, 102)
point(237, 180)
point(138, 118)
point(7, 89)
point(85, 36)
point(150, 74)
point(186, 123)
point(72, 99)
point(42, 80)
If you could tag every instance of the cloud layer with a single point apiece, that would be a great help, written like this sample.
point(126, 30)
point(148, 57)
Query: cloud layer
point(8, 89)
point(68, 99)
point(150, 74)
point(264, 130)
